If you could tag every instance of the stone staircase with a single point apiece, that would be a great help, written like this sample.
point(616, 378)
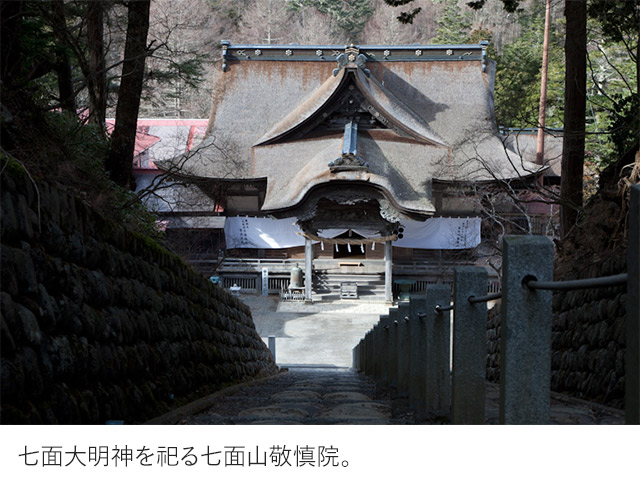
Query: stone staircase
point(370, 286)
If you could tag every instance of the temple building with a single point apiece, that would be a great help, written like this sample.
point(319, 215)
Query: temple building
point(351, 161)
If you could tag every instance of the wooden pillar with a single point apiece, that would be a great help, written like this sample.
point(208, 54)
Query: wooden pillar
point(308, 270)
point(388, 271)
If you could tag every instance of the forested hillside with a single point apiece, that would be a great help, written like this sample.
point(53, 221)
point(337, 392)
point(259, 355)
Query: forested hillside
point(67, 65)
point(203, 23)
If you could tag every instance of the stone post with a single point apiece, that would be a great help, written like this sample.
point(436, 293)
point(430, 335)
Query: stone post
point(363, 354)
point(272, 347)
point(371, 352)
point(384, 355)
point(392, 348)
point(525, 342)
point(404, 348)
point(379, 351)
point(632, 356)
point(308, 270)
point(375, 360)
point(438, 352)
point(388, 272)
point(469, 347)
point(418, 369)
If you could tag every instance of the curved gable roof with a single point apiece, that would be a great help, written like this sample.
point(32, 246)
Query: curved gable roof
point(395, 110)
point(381, 103)
point(435, 122)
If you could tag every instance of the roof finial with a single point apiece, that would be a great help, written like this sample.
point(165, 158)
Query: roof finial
point(352, 58)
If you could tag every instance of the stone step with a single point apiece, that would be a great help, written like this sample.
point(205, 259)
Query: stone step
point(338, 278)
point(368, 284)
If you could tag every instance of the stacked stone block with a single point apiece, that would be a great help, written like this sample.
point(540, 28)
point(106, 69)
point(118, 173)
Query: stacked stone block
point(100, 323)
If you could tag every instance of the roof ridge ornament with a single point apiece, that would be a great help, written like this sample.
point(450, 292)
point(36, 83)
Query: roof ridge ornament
point(352, 58)
point(349, 160)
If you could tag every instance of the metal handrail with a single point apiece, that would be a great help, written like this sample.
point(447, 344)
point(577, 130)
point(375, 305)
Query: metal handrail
point(592, 282)
point(440, 309)
point(488, 297)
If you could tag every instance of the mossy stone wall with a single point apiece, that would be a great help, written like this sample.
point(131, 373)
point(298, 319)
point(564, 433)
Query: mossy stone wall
point(100, 323)
point(588, 339)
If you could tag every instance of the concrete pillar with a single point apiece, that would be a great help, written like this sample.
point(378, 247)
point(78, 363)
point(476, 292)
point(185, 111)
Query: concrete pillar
point(404, 349)
point(388, 272)
point(308, 270)
point(418, 368)
point(438, 351)
point(469, 347)
point(632, 356)
point(525, 340)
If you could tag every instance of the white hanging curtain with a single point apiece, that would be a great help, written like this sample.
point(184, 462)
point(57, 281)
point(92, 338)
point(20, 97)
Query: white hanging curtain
point(444, 233)
point(441, 233)
point(262, 232)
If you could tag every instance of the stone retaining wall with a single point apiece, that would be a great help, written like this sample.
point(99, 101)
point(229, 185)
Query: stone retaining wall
point(588, 342)
point(100, 323)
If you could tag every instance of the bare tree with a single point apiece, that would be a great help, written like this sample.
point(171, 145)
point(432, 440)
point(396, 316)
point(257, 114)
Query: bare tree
point(180, 188)
point(507, 202)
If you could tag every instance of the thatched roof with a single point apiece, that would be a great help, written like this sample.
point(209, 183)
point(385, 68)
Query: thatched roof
point(424, 113)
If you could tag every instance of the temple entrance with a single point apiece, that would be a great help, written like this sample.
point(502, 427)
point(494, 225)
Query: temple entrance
point(349, 251)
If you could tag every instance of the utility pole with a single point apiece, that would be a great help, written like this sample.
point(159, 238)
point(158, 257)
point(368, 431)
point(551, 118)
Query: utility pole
point(543, 85)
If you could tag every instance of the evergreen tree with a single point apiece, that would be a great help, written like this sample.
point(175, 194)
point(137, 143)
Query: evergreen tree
point(404, 17)
point(350, 17)
point(517, 88)
point(614, 70)
point(454, 25)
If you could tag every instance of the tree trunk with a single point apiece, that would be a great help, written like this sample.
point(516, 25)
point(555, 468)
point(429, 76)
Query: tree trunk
point(63, 63)
point(120, 157)
point(574, 112)
point(97, 81)
point(11, 14)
